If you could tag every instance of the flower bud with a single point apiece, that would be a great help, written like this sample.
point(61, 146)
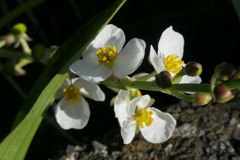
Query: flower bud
point(8, 68)
point(237, 76)
point(202, 98)
point(222, 94)
point(38, 51)
point(18, 29)
point(164, 80)
point(226, 71)
point(193, 69)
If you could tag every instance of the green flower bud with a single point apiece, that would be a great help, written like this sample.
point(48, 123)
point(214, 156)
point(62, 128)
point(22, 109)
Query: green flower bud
point(226, 71)
point(19, 29)
point(202, 98)
point(237, 76)
point(222, 94)
point(164, 80)
point(38, 51)
point(8, 68)
point(193, 69)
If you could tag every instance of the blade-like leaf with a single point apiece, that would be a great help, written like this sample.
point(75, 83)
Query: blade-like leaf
point(236, 4)
point(16, 144)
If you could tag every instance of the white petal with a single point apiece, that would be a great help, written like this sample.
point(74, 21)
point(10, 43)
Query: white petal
point(130, 58)
point(109, 36)
point(90, 70)
point(144, 102)
point(161, 129)
point(128, 130)
point(188, 79)
point(72, 116)
point(120, 106)
point(139, 75)
point(65, 84)
point(89, 89)
point(139, 102)
point(156, 61)
point(171, 42)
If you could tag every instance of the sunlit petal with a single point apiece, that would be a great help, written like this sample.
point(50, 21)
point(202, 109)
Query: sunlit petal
point(128, 130)
point(157, 62)
point(109, 36)
point(171, 42)
point(120, 105)
point(130, 58)
point(90, 70)
point(72, 116)
point(161, 128)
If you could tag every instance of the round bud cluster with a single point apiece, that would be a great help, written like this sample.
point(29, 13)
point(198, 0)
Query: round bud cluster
point(222, 94)
point(227, 71)
point(202, 98)
point(193, 69)
point(38, 51)
point(164, 80)
point(19, 29)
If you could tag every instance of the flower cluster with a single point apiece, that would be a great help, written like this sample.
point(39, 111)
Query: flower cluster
point(106, 57)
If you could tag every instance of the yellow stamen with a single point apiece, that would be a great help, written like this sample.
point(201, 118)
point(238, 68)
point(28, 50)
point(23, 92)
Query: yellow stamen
point(107, 55)
point(172, 64)
point(144, 116)
point(72, 94)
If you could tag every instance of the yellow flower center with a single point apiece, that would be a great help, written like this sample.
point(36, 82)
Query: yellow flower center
point(72, 94)
point(107, 55)
point(172, 64)
point(144, 116)
point(138, 95)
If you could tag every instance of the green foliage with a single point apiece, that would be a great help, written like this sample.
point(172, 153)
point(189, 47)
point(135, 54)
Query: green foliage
point(16, 144)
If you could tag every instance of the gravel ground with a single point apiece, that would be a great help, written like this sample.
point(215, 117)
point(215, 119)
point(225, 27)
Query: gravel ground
point(210, 132)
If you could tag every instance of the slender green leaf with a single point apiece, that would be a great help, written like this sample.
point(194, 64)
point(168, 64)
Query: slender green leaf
point(17, 11)
point(236, 4)
point(15, 145)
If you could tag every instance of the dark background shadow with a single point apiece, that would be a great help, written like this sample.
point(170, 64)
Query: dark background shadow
point(210, 29)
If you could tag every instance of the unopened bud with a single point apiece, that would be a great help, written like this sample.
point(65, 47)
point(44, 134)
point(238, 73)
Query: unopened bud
point(38, 51)
point(8, 68)
point(164, 80)
point(237, 76)
point(226, 71)
point(222, 94)
point(202, 98)
point(18, 29)
point(193, 69)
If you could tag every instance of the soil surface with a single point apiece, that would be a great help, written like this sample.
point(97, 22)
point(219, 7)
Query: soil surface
point(210, 132)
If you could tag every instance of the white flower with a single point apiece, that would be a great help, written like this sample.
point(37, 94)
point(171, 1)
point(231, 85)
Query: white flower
point(106, 56)
point(155, 126)
point(170, 53)
point(72, 111)
point(123, 98)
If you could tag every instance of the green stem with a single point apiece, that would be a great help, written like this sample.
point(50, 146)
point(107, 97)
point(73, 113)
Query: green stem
point(189, 87)
point(183, 96)
point(24, 45)
point(144, 85)
point(8, 53)
point(176, 79)
point(23, 62)
point(2, 43)
point(144, 78)
point(117, 85)
point(232, 84)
